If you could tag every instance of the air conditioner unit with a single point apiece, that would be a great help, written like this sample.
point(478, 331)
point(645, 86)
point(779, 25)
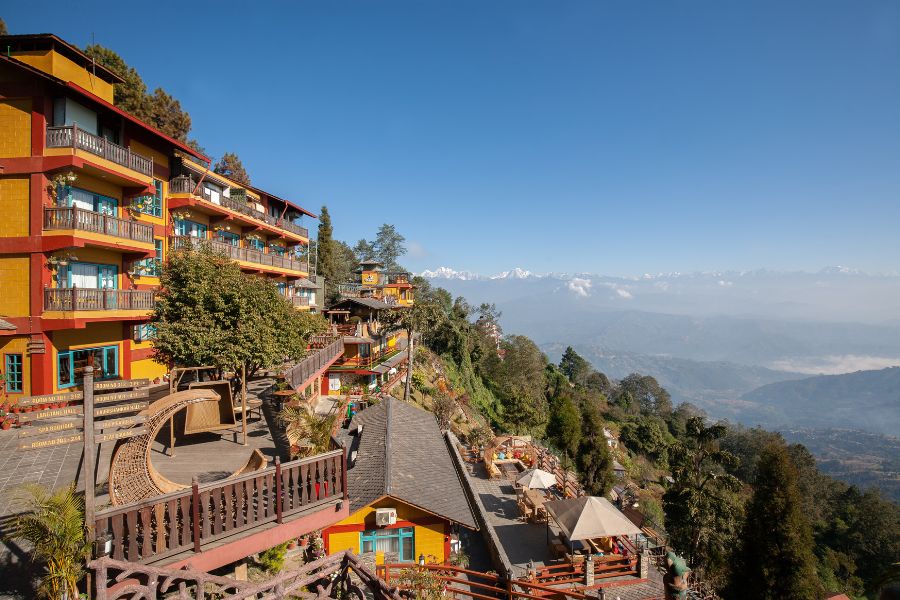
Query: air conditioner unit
point(385, 516)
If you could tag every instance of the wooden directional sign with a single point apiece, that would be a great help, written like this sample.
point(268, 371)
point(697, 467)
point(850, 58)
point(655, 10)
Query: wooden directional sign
point(33, 431)
point(120, 396)
point(58, 441)
point(122, 384)
point(119, 435)
point(51, 413)
point(50, 399)
point(123, 422)
point(120, 409)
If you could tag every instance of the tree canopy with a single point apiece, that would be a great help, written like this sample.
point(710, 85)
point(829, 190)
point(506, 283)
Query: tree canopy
point(387, 247)
point(210, 313)
point(230, 166)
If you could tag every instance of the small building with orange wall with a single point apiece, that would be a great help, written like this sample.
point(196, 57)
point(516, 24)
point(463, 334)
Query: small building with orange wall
point(406, 499)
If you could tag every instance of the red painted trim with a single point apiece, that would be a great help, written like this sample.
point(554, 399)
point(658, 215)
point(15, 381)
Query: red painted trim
point(37, 189)
point(243, 546)
point(37, 124)
point(35, 287)
point(446, 547)
point(126, 351)
point(141, 353)
point(42, 367)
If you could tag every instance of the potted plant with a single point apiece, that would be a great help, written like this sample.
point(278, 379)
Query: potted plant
point(5, 424)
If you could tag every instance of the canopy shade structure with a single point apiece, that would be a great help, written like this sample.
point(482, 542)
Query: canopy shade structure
point(536, 479)
point(589, 517)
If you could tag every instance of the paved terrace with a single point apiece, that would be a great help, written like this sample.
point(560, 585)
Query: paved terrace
point(524, 541)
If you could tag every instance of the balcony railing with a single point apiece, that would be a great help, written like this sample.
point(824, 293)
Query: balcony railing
point(73, 137)
point(299, 300)
point(68, 299)
point(193, 519)
point(186, 185)
point(324, 350)
point(88, 220)
point(180, 242)
point(374, 358)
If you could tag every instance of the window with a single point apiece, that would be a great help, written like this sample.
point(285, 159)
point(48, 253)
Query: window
point(13, 372)
point(76, 197)
point(144, 332)
point(151, 205)
point(71, 364)
point(396, 541)
point(150, 266)
point(88, 275)
point(276, 250)
point(282, 288)
point(229, 238)
point(190, 228)
point(256, 244)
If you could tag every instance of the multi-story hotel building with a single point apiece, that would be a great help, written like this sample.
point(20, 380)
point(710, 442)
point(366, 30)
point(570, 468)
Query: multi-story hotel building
point(91, 200)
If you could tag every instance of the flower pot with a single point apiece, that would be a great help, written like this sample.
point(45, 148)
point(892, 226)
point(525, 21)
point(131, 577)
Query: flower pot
point(292, 544)
point(5, 425)
point(16, 410)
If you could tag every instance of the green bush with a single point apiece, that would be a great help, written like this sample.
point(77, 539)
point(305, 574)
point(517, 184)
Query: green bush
point(272, 560)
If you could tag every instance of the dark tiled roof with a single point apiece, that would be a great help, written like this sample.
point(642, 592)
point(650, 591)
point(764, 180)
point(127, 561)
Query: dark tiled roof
point(401, 453)
point(6, 326)
point(367, 302)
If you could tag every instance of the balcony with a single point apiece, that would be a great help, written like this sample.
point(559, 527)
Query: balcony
point(86, 220)
point(75, 299)
point(299, 301)
point(238, 203)
point(247, 255)
point(79, 139)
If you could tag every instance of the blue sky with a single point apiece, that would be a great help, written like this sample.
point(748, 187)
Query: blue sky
point(611, 137)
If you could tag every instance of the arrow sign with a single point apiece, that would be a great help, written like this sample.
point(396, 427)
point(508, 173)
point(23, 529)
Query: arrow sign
point(60, 441)
point(49, 414)
point(50, 398)
point(119, 396)
point(117, 410)
point(124, 384)
point(123, 422)
point(33, 431)
point(120, 435)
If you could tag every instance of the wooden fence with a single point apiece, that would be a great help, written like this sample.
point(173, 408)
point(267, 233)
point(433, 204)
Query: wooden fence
point(88, 220)
point(187, 520)
point(74, 137)
point(68, 299)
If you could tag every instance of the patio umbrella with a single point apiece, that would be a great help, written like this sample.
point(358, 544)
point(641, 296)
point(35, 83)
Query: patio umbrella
point(589, 517)
point(536, 479)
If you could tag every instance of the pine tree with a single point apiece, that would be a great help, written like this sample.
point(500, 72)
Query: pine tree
point(594, 460)
point(564, 427)
point(164, 112)
point(775, 559)
point(230, 166)
point(130, 95)
point(574, 366)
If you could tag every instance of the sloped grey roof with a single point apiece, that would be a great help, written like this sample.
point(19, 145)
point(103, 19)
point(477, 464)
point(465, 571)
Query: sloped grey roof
point(303, 282)
point(401, 453)
point(367, 302)
point(6, 326)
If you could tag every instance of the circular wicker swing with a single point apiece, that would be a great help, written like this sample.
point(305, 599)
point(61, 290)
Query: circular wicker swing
point(132, 477)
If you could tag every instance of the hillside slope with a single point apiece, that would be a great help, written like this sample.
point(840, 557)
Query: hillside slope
point(867, 400)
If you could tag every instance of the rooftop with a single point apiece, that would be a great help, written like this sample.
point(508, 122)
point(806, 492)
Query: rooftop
point(401, 453)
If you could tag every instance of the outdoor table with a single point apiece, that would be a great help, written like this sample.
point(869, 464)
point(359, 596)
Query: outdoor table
point(281, 396)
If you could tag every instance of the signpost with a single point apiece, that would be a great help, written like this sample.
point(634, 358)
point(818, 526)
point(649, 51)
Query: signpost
point(120, 384)
point(120, 435)
point(50, 399)
point(59, 441)
point(90, 451)
point(123, 422)
point(106, 411)
point(56, 427)
point(119, 396)
point(50, 414)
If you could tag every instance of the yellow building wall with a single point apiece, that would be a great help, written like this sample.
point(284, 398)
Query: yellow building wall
point(16, 345)
point(14, 283)
point(147, 367)
point(95, 334)
point(428, 538)
point(15, 123)
point(14, 204)
point(60, 66)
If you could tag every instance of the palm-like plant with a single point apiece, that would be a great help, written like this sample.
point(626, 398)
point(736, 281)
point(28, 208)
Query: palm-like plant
point(308, 432)
point(54, 525)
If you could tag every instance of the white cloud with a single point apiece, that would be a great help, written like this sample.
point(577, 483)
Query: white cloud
point(624, 293)
point(580, 286)
point(723, 283)
point(836, 364)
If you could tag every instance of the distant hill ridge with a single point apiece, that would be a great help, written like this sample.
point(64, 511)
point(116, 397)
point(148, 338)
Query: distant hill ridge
point(867, 400)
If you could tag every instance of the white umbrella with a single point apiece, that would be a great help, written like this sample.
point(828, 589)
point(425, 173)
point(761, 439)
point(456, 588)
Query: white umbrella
point(537, 479)
point(589, 517)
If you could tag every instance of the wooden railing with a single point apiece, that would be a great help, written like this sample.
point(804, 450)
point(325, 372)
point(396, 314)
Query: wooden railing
point(73, 137)
point(186, 185)
point(339, 575)
point(299, 300)
point(68, 299)
point(189, 519)
point(88, 220)
point(318, 359)
point(374, 358)
point(251, 255)
point(465, 583)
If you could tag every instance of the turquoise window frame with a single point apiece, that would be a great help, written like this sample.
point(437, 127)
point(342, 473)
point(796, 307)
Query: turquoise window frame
point(371, 537)
point(256, 245)
point(154, 207)
point(102, 270)
point(144, 332)
point(14, 369)
point(227, 237)
point(105, 205)
point(110, 357)
point(185, 227)
point(153, 264)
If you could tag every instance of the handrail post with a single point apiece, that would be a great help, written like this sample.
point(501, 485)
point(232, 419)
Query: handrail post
point(195, 513)
point(278, 489)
